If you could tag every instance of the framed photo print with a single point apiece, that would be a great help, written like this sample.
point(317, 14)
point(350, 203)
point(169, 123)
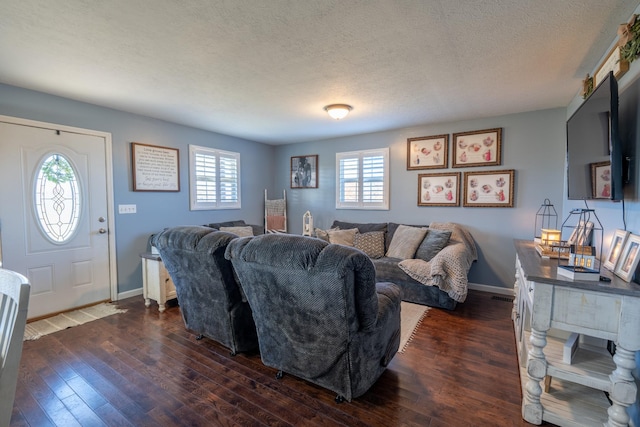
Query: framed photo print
point(155, 168)
point(304, 171)
point(617, 243)
point(477, 148)
point(489, 189)
point(628, 261)
point(601, 180)
point(581, 234)
point(439, 189)
point(427, 152)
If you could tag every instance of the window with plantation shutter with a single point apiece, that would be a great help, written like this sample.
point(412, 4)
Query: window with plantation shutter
point(362, 179)
point(214, 179)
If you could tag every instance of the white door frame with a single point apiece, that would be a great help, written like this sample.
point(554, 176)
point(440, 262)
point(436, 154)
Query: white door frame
point(113, 271)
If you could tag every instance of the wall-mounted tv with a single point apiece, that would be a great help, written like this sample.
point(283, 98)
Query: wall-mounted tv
point(594, 149)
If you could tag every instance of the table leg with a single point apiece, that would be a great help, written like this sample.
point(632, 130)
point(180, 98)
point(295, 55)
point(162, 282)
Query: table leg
point(623, 388)
point(536, 371)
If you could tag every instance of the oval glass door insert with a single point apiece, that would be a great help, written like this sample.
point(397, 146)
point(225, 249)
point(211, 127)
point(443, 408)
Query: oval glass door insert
point(57, 198)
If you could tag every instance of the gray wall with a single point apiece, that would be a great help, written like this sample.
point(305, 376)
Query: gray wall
point(155, 211)
point(533, 144)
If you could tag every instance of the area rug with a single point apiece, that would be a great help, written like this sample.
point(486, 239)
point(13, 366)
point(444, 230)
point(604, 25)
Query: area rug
point(411, 316)
point(37, 329)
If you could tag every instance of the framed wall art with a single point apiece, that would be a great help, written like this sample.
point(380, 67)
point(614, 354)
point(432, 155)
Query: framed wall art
point(490, 189)
point(477, 148)
point(617, 243)
point(155, 168)
point(439, 189)
point(626, 266)
point(427, 152)
point(601, 180)
point(304, 171)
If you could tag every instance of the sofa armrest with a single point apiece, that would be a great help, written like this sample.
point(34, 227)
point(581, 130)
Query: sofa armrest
point(388, 322)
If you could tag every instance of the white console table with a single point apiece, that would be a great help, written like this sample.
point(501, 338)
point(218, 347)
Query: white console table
point(156, 281)
point(546, 306)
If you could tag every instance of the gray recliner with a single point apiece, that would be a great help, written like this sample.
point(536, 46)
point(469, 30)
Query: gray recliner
point(319, 313)
point(211, 302)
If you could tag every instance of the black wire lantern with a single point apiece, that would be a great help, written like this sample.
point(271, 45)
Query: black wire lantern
point(546, 218)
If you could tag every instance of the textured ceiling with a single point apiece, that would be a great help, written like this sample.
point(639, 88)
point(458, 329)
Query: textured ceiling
point(264, 69)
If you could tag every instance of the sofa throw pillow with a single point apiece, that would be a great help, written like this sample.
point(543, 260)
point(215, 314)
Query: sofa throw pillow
point(324, 234)
point(342, 237)
point(391, 229)
point(371, 243)
point(246, 231)
point(405, 241)
point(434, 242)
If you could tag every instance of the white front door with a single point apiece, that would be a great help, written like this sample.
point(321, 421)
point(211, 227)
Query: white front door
point(54, 213)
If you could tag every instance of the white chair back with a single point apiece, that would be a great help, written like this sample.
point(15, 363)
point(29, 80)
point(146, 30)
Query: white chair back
point(14, 301)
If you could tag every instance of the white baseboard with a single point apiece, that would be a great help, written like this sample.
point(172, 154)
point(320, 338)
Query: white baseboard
point(129, 294)
point(491, 289)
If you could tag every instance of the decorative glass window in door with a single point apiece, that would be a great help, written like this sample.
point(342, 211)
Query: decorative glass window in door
point(57, 198)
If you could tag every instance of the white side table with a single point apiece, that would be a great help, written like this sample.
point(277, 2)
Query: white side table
point(156, 282)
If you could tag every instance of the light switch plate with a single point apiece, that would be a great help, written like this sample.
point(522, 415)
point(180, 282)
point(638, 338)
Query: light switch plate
point(126, 209)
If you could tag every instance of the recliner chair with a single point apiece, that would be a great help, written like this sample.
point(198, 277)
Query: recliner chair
point(211, 302)
point(319, 313)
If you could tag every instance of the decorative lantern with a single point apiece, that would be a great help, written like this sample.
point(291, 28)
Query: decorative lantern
point(585, 232)
point(307, 224)
point(546, 218)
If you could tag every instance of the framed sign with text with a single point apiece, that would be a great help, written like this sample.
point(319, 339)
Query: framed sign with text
point(155, 168)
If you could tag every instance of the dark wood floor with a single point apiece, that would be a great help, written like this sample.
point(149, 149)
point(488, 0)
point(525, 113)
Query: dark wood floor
point(143, 368)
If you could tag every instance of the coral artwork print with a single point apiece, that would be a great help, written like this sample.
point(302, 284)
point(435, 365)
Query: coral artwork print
point(477, 148)
point(428, 152)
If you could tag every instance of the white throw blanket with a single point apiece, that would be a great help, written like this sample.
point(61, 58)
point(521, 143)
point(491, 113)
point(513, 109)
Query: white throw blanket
point(449, 268)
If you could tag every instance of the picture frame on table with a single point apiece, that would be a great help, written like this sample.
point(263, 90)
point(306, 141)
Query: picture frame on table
point(626, 266)
point(489, 189)
point(304, 171)
point(477, 148)
point(439, 189)
point(615, 249)
point(427, 152)
point(581, 234)
point(601, 180)
point(155, 168)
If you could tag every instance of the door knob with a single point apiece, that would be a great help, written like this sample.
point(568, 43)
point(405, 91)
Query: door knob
point(102, 231)
point(101, 219)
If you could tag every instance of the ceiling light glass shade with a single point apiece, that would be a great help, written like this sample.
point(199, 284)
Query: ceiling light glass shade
point(338, 111)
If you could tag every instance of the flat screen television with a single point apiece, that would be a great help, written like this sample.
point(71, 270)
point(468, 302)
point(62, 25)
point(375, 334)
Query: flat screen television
point(594, 149)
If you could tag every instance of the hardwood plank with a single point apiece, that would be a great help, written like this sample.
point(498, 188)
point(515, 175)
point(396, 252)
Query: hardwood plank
point(143, 368)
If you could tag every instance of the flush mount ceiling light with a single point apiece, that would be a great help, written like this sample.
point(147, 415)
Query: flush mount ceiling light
point(338, 111)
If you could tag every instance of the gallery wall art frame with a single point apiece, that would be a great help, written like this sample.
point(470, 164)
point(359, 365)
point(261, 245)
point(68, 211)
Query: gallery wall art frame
point(427, 152)
point(155, 168)
point(489, 189)
point(626, 266)
point(477, 148)
point(601, 180)
point(615, 249)
point(304, 171)
point(439, 189)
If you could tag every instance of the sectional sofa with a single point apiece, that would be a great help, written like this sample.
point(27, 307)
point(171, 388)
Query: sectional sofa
point(433, 272)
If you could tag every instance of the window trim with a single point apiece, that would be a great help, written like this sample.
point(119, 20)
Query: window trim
point(360, 155)
point(194, 204)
